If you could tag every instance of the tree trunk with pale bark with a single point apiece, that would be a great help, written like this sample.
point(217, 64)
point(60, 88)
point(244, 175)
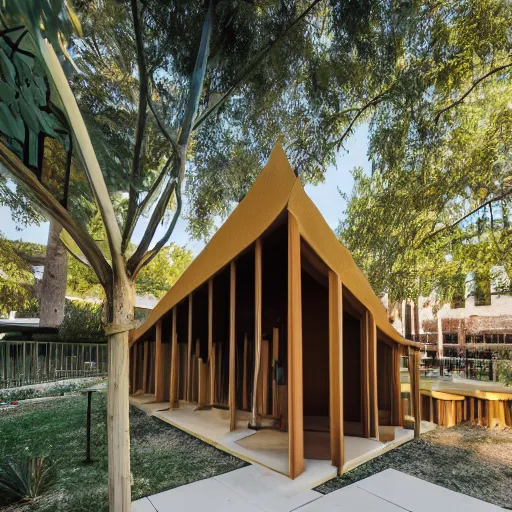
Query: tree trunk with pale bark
point(52, 291)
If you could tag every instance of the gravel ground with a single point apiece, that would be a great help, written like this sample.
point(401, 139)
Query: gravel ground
point(469, 459)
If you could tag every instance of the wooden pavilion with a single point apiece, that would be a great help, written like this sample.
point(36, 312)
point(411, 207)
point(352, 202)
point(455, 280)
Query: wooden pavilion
point(274, 322)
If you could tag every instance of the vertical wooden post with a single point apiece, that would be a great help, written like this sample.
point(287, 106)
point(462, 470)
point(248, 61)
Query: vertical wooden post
point(151, 381)
point(398, 419)
point(257, 329)
point(210, 341)
point(245, 397)
point(232, 345)
point(414, 361)
point(336, 370)
point(189, 351)
point(145, 368)
point(275, 358)
point(159, 364)
point(134, 368)
point(173, 395)
point(202, 383)
point(265, 353)
point(295, 391)
point(374, 398)
point(365, 380)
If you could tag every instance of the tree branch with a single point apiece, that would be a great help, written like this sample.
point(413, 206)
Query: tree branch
point(154, 188)
point(37, 260)
point(163, 128)
point(458, 221)
point(373, 102)
point(57, 212)
point(251, 67)
point(155, 219)
point(130, 221)
point(86, 151)
point(153, 252)
point(475, 83)
point(196, 83)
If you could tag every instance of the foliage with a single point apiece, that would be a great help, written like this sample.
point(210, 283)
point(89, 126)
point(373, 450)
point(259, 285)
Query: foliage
point(16, 279)
point(436, 205)
point(83, 322)
point(164, 270)
point(48, 389)
point(504, 367)
point(26, 479)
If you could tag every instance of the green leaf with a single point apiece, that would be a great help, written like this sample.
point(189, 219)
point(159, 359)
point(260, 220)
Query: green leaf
point(10, 125)
point(28, 115)
point(7, 93)
point(8, 71)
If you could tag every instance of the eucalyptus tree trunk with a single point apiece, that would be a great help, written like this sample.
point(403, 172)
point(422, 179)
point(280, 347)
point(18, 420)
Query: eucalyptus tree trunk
point(118, 407)
point(52, 291)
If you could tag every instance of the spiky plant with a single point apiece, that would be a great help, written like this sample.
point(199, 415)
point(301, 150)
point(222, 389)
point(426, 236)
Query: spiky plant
point(25, 479)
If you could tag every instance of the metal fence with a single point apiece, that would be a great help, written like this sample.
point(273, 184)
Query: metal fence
point(476, 368)
point(33, 362)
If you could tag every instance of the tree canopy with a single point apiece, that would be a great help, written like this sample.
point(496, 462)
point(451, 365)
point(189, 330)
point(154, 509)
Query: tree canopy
point(436, 205)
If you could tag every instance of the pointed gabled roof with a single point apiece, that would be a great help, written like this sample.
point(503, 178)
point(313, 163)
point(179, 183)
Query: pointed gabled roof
point(276, 189)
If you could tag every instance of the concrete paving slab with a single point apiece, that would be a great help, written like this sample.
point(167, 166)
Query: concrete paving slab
point(267, 489)
point(206, 495)
point(351, 499)
point(417, 495)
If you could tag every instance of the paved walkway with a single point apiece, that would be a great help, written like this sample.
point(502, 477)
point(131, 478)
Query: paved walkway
point(256, 489)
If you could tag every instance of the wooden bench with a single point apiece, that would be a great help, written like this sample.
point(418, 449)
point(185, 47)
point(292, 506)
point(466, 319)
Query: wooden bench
point(452, 406)
point(445, 409)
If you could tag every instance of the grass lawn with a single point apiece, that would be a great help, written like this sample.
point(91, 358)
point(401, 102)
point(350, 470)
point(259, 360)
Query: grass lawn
point(162, 457)
point(467, 458)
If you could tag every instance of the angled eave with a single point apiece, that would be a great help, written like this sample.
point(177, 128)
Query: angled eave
point(276, 189)
point(317, 233)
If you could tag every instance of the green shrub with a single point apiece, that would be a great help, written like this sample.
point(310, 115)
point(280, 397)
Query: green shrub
point(82, 322)
point(25, 480)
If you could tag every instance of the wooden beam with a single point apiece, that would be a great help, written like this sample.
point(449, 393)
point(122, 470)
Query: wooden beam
point(295, 391)
point(374, 398)
point(232, 345)
point(257, 329)
point(202, 383)
point(159, 364)
point(398, 419)
point(336, 370)
point(414, 378)
point(365, 381)
point(173, 394)
point(145, 367)
point(265, 365)
point(245, 397)
point(188, 377)
point(275, 358)
point(211, 355)
point(151, 385)
point(134, 367)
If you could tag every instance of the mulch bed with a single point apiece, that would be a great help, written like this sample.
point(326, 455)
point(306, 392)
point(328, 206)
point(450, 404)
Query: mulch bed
point(473, 460)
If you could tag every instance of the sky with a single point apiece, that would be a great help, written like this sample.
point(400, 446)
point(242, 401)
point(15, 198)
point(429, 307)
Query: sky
point(325, 196)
